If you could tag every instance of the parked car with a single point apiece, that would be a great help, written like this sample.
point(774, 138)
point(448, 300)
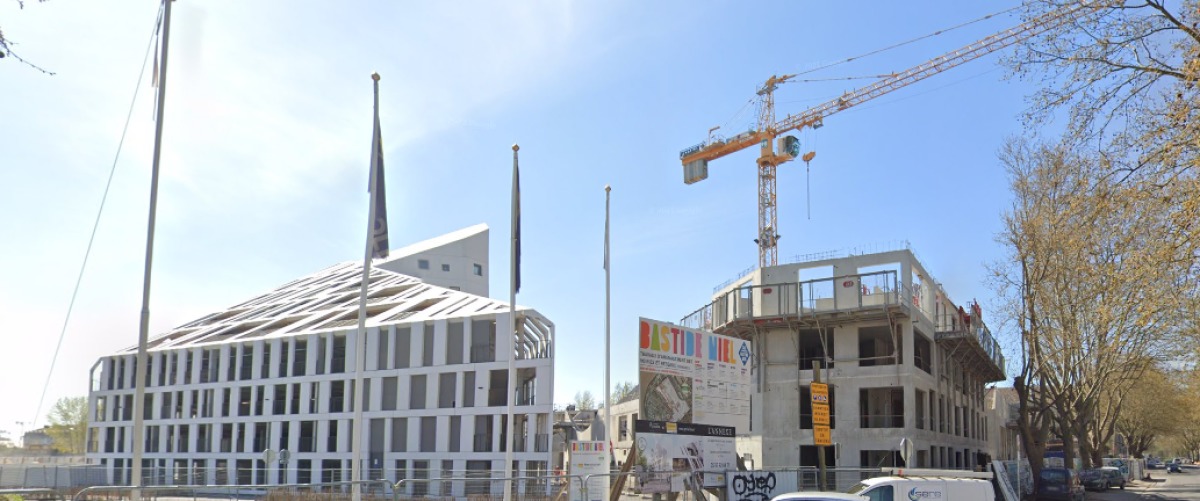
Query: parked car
point(1093, 479)
point(1114, 476)
point(1174, 468)
point(1153, 463)
point(1059, 484)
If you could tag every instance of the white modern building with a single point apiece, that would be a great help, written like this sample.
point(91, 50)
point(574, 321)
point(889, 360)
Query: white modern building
point(1004, 407)
point(277, 373)
point(902, 360)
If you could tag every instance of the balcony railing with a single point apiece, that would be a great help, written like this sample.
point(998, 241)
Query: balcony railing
point(850, 292)
point(952, 324)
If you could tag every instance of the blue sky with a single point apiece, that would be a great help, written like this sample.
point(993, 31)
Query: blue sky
point(268, 130)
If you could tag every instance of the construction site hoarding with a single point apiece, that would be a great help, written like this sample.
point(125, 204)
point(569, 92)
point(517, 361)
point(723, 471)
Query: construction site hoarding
point(692, 376)
point(670, 453)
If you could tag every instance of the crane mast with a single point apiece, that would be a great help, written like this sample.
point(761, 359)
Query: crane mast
point(772, 153)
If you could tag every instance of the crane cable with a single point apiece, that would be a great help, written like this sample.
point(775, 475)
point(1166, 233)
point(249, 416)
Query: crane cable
point(890, 47)
point(96, 225)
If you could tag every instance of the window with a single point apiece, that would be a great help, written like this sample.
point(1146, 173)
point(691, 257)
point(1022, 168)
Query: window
point(478, 270)
point(399, 434)
point(337, 396)
point(416, 392)
point(883, 493)
point(445, 267)
point(428, 434)
point(331, 442)
point(339, 355)
point(307, 436)
point(301, 358)
point(423, 264)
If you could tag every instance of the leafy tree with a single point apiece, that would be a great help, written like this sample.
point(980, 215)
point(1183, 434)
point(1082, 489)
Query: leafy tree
point(1152, 411)
point(624, 391)
point(584, 401)
point(68, 424)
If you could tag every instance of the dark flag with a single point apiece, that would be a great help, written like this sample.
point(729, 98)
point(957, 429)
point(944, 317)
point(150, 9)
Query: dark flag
point(379, 231)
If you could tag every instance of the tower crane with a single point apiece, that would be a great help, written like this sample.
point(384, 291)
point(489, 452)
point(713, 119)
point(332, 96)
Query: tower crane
point(695, 159)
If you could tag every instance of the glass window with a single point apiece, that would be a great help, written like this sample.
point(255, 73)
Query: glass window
point(881, 493)
point(423, 264)
point(445, 267)
point(478, 270)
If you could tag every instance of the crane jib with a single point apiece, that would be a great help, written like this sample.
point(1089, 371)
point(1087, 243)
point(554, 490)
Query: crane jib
point(695, 159)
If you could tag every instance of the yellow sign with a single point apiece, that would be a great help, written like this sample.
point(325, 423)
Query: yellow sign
point(820, 414)
point(821, 435)
point(820, 393)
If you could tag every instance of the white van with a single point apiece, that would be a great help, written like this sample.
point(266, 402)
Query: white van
point(913, 484)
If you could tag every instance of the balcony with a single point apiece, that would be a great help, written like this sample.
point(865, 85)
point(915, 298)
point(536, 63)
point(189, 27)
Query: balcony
point(968, 338)
point(861, 295)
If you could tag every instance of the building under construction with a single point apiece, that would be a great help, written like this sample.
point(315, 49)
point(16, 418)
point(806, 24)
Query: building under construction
point(902, 360)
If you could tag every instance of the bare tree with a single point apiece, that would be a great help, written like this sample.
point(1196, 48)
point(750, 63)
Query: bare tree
point(1122, 70)
point(1125, 76)
point(1092, 278)
point(6, 46)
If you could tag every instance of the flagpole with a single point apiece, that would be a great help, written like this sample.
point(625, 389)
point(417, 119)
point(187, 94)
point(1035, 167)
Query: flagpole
point(607, 323)
point(514, 284)
point(139, 399)
point(360, 339)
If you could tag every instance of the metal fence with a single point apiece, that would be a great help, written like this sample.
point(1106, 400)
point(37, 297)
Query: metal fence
point(486, 488)
point(51, 476)
point(372, 490)
point(490, 486)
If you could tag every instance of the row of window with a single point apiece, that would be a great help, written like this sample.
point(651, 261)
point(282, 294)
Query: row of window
point(307, 398)
point(476, 269)
point(383, 434)
point(248, 361)
point(878, 347)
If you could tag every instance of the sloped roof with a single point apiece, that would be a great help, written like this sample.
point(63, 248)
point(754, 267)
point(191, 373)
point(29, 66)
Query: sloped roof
point(435, 242)
point(329, 300)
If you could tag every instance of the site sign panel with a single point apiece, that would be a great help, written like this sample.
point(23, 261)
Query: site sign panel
point(692, 376)
point(589, 458)
point(668, 453)
point(820, 406)
point(820, 393)
point(820, 415)
point(822, 436)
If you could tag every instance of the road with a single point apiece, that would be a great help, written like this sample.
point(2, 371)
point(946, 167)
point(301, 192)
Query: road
point(1161, 487)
